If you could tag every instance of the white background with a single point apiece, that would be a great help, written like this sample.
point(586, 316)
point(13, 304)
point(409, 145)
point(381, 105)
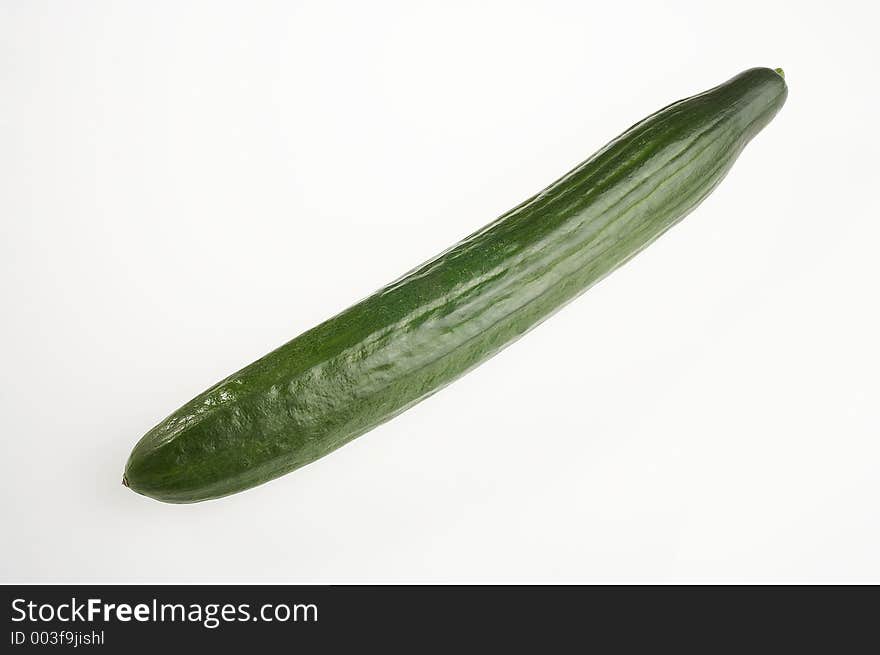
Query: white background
point(185, 186)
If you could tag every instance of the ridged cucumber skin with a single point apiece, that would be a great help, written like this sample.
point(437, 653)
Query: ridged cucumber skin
point(421, 332)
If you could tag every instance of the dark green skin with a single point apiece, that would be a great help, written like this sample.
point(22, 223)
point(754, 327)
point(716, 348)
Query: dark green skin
point(418, 334)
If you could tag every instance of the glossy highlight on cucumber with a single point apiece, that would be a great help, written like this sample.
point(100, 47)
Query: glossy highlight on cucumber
point(382, 355)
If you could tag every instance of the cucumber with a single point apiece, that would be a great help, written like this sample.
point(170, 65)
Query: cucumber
point(421, 332)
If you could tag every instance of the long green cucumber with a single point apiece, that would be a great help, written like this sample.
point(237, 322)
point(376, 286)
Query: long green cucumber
point(421, 332)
